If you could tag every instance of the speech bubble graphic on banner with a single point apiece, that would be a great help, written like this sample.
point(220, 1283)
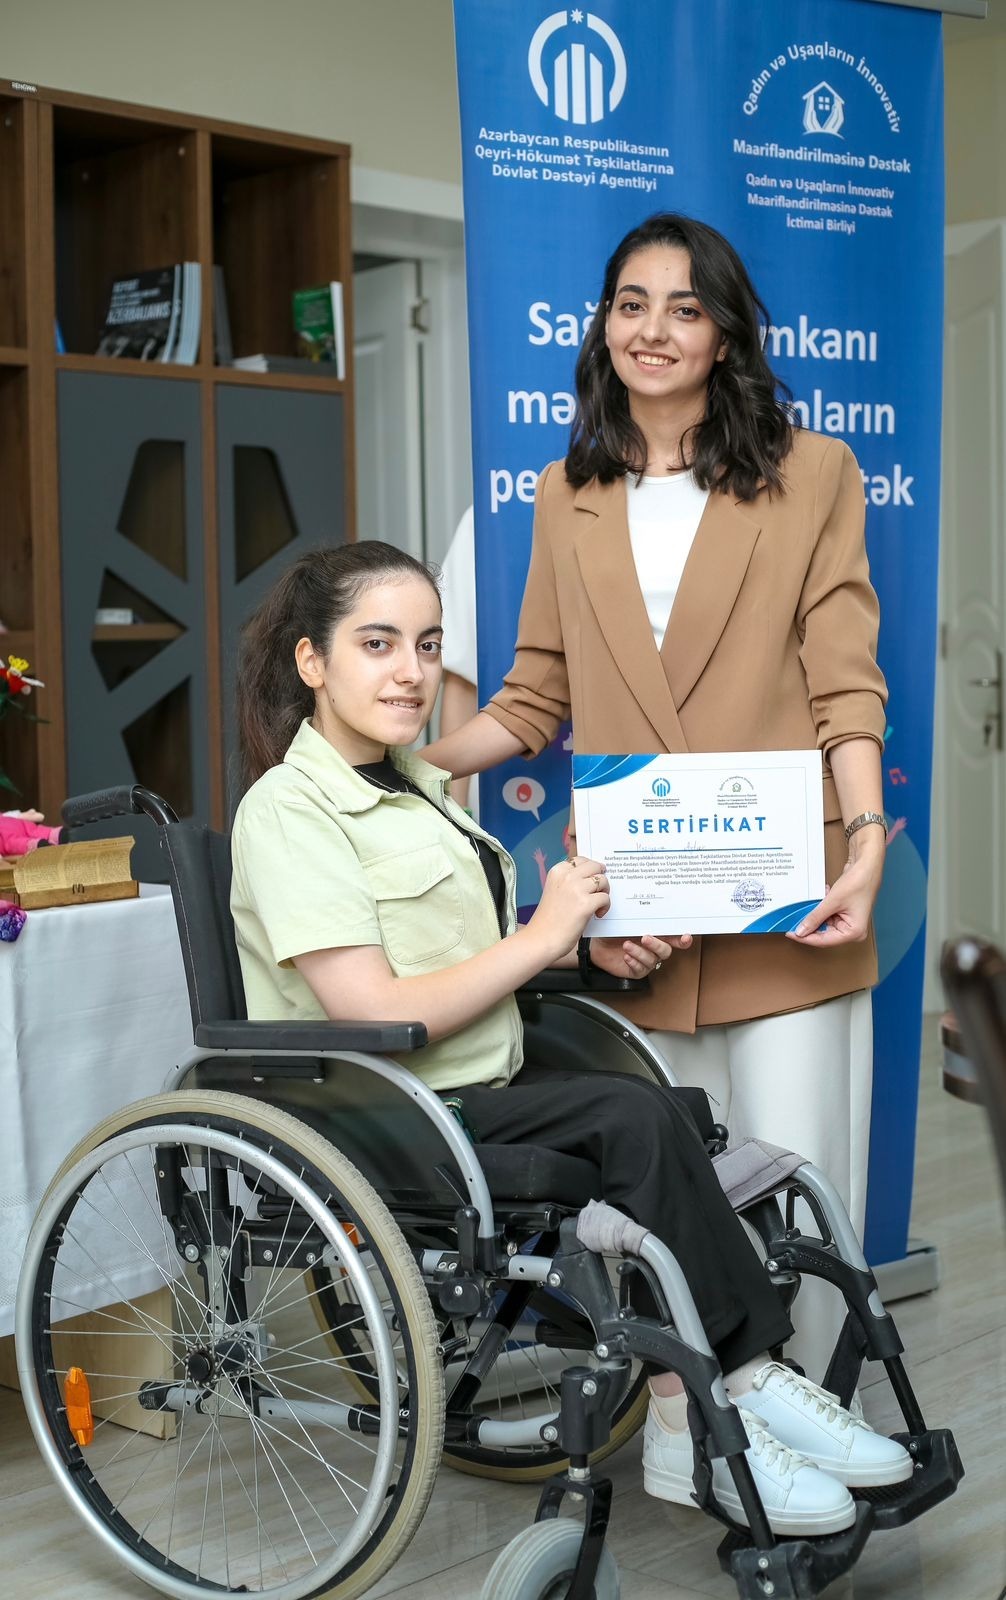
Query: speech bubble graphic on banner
point(524, 794)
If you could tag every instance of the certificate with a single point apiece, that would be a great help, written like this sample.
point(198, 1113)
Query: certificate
point(730, 842)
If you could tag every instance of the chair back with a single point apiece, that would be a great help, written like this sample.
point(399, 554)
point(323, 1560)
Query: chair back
point(199, 872)
point(974, 976)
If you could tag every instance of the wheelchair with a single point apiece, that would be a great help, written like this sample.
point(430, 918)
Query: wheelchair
point(305, 1287)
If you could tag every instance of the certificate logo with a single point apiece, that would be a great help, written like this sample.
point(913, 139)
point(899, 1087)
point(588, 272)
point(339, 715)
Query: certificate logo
point(749, 895)
point(586, 81)
point(737, 792)
point(661, 795)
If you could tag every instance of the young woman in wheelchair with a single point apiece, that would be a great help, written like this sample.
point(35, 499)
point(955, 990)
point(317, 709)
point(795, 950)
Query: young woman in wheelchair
point(361, 890)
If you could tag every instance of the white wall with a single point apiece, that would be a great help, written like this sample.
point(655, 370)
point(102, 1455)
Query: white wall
point(377, 74)
point(975, 90)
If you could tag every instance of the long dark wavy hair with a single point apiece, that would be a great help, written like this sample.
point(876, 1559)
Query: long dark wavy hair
point(308, 602)
point(745, 434)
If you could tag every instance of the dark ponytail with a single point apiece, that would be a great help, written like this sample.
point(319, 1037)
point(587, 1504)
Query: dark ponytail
point(308, 602)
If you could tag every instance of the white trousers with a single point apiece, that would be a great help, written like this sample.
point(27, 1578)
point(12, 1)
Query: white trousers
point(802, 1080)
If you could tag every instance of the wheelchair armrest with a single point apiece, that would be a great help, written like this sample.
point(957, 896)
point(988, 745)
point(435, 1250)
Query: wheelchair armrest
point(376, 1038)
point(567, 980)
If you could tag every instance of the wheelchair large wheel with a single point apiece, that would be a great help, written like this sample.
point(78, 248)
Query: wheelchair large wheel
point(524, 1381)
point(272, 1478)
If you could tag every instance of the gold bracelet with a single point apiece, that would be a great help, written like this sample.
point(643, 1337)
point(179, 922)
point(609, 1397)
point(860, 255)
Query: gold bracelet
point(863, 820)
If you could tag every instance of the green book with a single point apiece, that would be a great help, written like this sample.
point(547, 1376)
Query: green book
point(319, 326)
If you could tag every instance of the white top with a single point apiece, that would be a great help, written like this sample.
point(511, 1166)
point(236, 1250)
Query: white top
point(457, 591)
point(664, 514)
point(458, 594)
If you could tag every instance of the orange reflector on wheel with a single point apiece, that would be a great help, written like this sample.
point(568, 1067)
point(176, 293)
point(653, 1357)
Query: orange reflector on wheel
point(352, 1234)
point(79, 1416)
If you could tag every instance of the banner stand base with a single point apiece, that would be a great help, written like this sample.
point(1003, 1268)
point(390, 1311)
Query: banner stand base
point(918, 1272)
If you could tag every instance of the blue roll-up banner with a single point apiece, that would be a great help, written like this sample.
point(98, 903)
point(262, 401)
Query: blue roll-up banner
point(810, 133)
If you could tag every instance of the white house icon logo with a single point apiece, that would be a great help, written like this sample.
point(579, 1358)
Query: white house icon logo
point(823, 109)
point(583, 83)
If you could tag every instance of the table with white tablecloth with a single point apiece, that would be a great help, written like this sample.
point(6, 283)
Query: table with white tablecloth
point(93, 1014)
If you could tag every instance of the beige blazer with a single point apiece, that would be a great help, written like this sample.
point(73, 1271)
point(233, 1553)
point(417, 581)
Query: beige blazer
point(771, 645)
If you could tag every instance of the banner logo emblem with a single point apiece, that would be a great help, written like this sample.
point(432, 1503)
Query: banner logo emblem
point(823, 109)
point(661, 788)
point(585, 84)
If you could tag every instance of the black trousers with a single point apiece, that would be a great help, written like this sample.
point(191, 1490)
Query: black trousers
point(653, 1165)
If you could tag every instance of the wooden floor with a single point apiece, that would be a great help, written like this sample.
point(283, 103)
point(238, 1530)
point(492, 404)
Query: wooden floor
point(956, 1342)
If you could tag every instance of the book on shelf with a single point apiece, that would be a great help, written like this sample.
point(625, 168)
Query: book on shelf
point(320, 325)
point(155, 315)
point(303, 366)
point(186, 350)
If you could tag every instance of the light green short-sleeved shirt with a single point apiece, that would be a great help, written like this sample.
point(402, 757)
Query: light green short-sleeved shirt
point(323, 859)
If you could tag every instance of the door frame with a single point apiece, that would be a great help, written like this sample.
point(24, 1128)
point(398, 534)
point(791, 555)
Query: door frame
point(417, 220)
point(958, 236)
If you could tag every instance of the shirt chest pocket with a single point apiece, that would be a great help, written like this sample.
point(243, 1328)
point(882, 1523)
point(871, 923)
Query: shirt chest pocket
point(419, 904)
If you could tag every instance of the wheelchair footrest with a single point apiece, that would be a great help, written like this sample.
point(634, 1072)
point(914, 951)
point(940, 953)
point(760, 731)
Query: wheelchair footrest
point(794, 1569)
point(938, 1471)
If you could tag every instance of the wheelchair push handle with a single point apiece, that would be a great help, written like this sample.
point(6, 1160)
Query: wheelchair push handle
point(125, 800)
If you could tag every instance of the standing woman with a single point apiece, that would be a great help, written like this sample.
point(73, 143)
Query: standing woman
point(699, 581)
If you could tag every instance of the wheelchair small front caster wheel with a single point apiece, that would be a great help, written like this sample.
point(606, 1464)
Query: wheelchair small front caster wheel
point(539, 1565)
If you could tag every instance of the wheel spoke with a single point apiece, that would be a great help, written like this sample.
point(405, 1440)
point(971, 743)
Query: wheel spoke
point(223, 1494)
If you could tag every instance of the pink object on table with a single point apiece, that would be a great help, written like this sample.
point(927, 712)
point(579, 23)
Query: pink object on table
point(18, 837)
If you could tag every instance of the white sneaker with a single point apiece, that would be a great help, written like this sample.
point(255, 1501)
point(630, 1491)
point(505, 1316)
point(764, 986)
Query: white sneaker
point(798, 1497)
point(814, 1422)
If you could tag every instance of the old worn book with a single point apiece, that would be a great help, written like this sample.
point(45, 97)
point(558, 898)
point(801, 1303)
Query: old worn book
point(75, 874)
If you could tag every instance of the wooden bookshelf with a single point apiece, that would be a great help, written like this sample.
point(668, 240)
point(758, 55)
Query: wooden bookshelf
point(127, 482)
point(123, 366)
point(125, 201)
point(135, 632)
point(14, 155)
point(320, 383)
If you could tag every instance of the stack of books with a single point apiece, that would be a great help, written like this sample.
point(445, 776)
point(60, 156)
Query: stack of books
point(155, 315)
point(319, 328)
